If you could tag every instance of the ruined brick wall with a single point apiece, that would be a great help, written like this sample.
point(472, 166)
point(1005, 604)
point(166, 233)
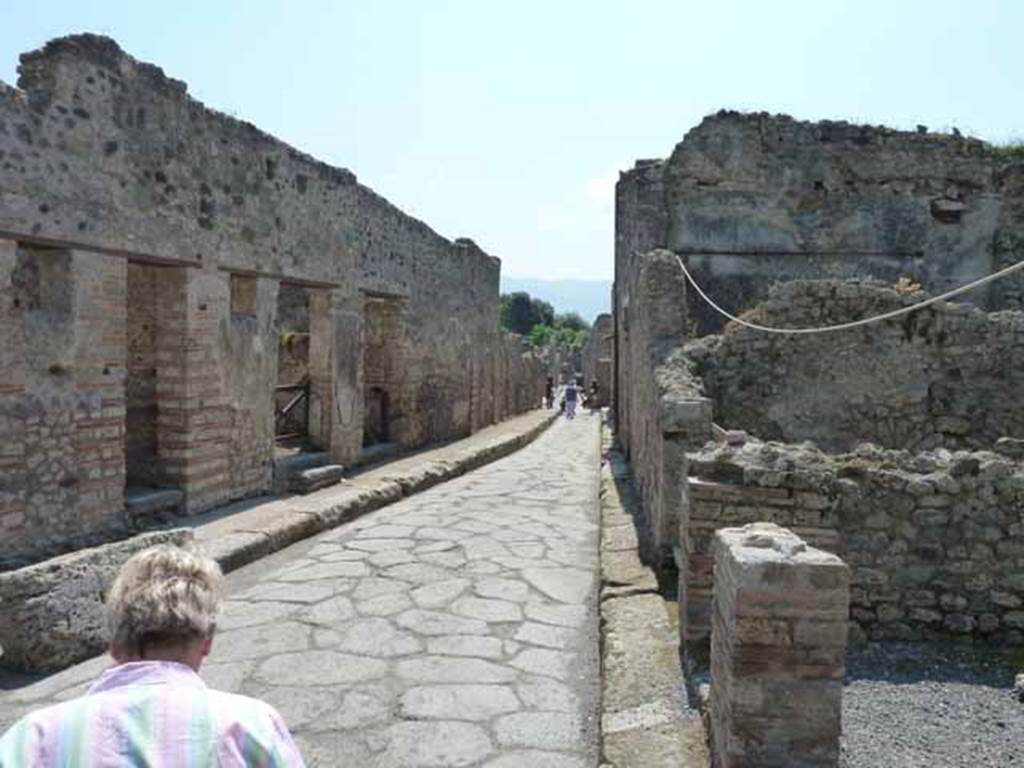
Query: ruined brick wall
point(140, 376)
point(62, 402)
point(105, 156)
point(934, 540)
point(661, 407)
point(753, 199)
point(949, 375)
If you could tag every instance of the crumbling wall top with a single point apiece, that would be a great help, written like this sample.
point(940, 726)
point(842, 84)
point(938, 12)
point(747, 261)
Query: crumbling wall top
point(804, 467)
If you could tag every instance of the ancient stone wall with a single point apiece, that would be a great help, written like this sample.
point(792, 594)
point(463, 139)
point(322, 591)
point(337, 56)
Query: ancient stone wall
point(753, 199)
point(519, 375)
point(947, 376)
point(934, 540)
point(661, 409)
point(778, 650)
point(448, 329)
point(562, 362)
point(112, 179)
point(597, 358)
point(62, 402)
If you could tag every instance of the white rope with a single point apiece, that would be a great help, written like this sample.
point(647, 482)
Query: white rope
point(856, 323)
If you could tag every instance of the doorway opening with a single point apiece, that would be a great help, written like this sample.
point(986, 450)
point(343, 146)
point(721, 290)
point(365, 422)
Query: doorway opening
point(291, 394)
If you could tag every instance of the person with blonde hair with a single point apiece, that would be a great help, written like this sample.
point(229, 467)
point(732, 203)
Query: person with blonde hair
point(151, 708)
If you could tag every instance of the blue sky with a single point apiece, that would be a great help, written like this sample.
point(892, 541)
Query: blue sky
point(508, 122)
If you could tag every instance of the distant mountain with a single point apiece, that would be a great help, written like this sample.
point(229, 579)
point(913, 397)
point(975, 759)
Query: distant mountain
point(588, 297)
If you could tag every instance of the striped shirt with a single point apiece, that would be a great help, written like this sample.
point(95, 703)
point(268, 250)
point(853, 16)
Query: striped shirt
point(151, 714)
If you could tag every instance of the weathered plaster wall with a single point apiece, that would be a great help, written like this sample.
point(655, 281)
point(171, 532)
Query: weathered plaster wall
point(935, 541)
point(753, 199)
point(949, 375)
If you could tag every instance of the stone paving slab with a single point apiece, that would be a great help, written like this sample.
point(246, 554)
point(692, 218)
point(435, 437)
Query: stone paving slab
point(457, 627)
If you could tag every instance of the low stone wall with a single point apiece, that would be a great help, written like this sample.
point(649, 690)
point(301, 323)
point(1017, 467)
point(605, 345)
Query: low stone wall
point(934, 540)
point(51, 613)
point(946, 376)
point(778, 650)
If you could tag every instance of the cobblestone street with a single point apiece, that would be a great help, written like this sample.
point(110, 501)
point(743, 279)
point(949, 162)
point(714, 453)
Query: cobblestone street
point(455, 628)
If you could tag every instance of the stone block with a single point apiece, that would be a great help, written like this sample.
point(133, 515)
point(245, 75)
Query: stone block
point(310, 480)
point(51, 613)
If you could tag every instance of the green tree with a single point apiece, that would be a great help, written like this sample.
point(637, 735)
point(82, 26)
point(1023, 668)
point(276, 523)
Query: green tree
point(571, 320)
point(541, 335)
point(519, 312)
point(537, 321)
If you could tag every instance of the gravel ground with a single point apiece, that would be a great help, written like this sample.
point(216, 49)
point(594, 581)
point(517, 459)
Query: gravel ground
point(930, 705)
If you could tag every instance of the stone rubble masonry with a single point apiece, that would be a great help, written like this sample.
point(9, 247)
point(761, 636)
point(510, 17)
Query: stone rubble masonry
point(778, 650)
point(934, 541)
point(750, 201)
point(62, 404)
point(755, 199)
point(947, 376)
point(143, 242)
point(51, 614)
point(661, 411)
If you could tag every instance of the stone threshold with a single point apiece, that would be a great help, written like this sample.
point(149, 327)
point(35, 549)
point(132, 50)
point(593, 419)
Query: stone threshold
point(245, 531)
point(646, 720)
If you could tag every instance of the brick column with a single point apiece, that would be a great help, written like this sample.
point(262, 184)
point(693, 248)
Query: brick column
point(100, 304)
point(778, 650)
point(193, 421)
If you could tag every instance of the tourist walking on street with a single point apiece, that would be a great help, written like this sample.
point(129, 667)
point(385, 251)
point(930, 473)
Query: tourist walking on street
point(151, 708)
point(571, 398)
point(549, 393)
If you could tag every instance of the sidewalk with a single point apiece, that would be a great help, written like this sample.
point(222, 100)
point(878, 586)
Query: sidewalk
point(245, 531)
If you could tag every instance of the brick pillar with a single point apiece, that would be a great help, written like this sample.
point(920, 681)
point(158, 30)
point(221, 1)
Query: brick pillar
point(335, 373)
point(193, 421)
point(778, 650)
point(100, 288)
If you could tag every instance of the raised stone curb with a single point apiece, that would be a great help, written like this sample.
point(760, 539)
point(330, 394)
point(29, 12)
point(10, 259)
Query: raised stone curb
point(239, 539)
point(51, 613)
point(645, 720)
